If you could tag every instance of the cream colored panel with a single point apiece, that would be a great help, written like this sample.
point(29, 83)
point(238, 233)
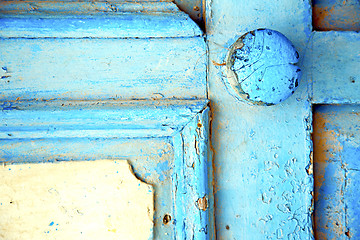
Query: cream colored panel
point(74, 200)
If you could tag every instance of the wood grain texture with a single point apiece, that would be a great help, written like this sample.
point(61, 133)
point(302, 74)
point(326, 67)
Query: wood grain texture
point(193, 203)
point(102, 68)
point(95, 19)
point(335, 67)
point(134, 25)
point(85, 7)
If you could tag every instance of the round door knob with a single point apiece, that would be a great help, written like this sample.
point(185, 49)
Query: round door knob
point(260, 67)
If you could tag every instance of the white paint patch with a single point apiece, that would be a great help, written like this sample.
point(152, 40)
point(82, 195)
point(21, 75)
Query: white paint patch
point(74, 200)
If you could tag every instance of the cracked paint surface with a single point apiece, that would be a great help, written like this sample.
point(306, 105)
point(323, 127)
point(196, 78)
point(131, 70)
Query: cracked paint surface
point(260, 67)
point(263, 186)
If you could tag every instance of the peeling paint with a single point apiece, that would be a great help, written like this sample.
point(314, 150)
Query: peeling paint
point(202, 203)
point(260, 153)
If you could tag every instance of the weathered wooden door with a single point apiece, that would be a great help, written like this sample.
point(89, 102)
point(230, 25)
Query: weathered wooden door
point(136, 87)
point(87, 89)
point(263, 155)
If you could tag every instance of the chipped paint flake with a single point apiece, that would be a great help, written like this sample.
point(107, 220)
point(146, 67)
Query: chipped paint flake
point(202, 203)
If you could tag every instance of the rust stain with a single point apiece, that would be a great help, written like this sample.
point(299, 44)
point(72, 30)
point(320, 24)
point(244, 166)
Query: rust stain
point(218, 64)
point(323, 141)
point(212, 159)
point(339, 17)
point(320, 17)
point(326, 147)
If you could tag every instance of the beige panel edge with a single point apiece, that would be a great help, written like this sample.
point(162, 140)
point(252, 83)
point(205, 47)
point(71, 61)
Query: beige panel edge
point(74, 200)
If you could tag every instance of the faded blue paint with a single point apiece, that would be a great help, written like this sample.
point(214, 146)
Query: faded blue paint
point(126, 119)
point(336, 15)
point(261, 154)
point(59, 59)
point(161, 169)
point(103, 68)
point(108, 26)
point(335, 70)
point(82, 51)
point(260, 67)
point(47, 131)
point(337, 205)
point(191, 193)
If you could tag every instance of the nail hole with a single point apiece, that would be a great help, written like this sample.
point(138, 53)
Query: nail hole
point(196, 8)
point(166, 219)
point(227, 227)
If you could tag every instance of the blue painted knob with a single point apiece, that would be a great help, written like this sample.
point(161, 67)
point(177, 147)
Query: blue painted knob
point(260, 67)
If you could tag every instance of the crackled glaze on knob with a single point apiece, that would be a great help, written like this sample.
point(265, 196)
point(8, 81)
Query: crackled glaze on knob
point(261, 67)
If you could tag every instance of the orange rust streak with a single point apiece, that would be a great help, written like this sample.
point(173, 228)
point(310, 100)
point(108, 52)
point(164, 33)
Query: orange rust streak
point(344, 17)
point(320, 17)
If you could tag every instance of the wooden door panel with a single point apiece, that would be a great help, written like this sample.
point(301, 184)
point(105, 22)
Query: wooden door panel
point(262, 167)
point(103, 68)
point(166, 142)
point(73, 74)
point(336, 171)
point(335, 70)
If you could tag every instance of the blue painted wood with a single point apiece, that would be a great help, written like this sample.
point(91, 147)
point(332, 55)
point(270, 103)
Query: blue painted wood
point(336, 15)
point(150, 158)
point(80, 7)
point(120, 119)
point(109, 26)
point(191, 195)
point(263, 178)
point(48, 131)
point(42, 19)
point(336, 165)
point(335, 70)
point(59, 58)
point(261, 67)
point(102, 68)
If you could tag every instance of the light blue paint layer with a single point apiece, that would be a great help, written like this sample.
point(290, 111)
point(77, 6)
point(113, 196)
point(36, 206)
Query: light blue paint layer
point(41, 19)
point(191, 192)
point(262, 153)
point(264, 67)
point(338, 206)
point(102, 68)
point(335, 69)
point(119, 119)
point(67, 131)
point(134, 25)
